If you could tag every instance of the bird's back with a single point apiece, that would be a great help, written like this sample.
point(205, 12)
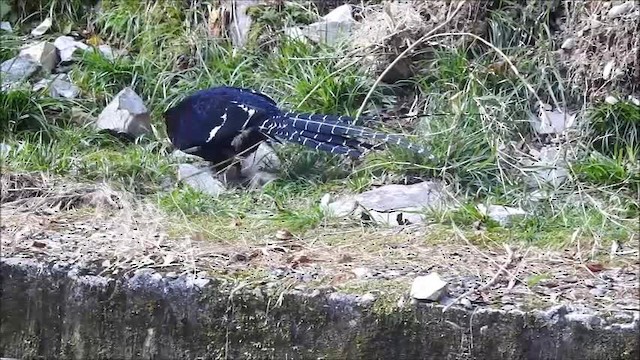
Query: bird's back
point(219, 114)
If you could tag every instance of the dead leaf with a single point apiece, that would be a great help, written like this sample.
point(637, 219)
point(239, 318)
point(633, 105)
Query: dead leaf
point(283, 234)
point(94, 40)
point(345, 258)
point(341, 278)
point(595, 267)
point(298, 259)
point(39, 244)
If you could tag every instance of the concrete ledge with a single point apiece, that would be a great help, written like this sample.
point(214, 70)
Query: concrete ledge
point(53, 311)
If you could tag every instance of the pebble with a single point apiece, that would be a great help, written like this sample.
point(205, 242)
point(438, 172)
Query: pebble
point(362, 272)
point(568, 44)
point(598, 292)
point(611, 100)
point(608, 69)
point(366, 299)
point(430, 287)
point(466, 303)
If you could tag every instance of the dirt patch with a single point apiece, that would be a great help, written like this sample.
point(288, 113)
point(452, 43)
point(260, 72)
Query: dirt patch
point(602, 47)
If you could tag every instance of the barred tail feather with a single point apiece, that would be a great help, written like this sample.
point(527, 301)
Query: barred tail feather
point(333, 134)
point(341, 126)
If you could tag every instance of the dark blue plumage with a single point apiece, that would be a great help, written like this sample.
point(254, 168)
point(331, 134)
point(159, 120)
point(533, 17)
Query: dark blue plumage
point(221, 122)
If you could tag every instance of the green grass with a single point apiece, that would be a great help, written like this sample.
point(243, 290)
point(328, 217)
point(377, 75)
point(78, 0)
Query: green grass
point(478, 113)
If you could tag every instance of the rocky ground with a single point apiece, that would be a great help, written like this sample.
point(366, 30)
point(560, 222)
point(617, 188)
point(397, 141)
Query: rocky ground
point(387, 241)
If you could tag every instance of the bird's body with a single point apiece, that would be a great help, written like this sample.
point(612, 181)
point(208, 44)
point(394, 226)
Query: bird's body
point(219, 123)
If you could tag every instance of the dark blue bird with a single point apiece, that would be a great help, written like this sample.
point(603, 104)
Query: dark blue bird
point(219, 123)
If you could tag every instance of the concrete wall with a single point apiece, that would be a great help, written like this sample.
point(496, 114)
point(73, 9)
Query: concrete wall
point(53, 311)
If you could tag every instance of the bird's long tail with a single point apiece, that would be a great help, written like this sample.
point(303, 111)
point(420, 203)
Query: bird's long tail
point(330, 133)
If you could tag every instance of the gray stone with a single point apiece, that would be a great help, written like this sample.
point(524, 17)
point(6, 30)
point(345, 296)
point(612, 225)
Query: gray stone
point(59, 87)
point(336, 26)
point(395, 218)
point(5, 149)
point(430, 287)
point(619, 10)
point(552, 122)
point(611, 100)
point(341, 207)
point(42, 28)
point(67, 46)
point(43, 53)
point(550, 168)
point(568, 44)
point(240, 21)
point(6, 26)
point(16, 70)
point(390, 204)
point(502, 214)
point(260, 167)
point(106, 51)
point(200, 179)
point(402, 197)
point(126, 113)
point(401, 204)
point(183, 156)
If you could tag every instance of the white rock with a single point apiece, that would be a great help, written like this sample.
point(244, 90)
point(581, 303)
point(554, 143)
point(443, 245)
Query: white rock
point(634, 100)
point(336, 26)
point(594, 24)
point(16, 70)
point(608, 69)
point(44, 53)
point(264, 159)
point(611, 100)
point(200, 179)
point(430, 287)
point(339, 208)
point(362, 272)
point(552, 122)
point(328, 32)
point(621, 9)
point(395, 218)
point(550, 168)
point(42, 28)
point(396, 197)
point(126, 113)
point(106, 51)
point(401, 204)
point(568, 44)
point(67, 46)
point(502, 214)
point(367, 299)
point(340, 14)
point(5, 149)
point(241, 24)
point(259, 168)
point(6, 26)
